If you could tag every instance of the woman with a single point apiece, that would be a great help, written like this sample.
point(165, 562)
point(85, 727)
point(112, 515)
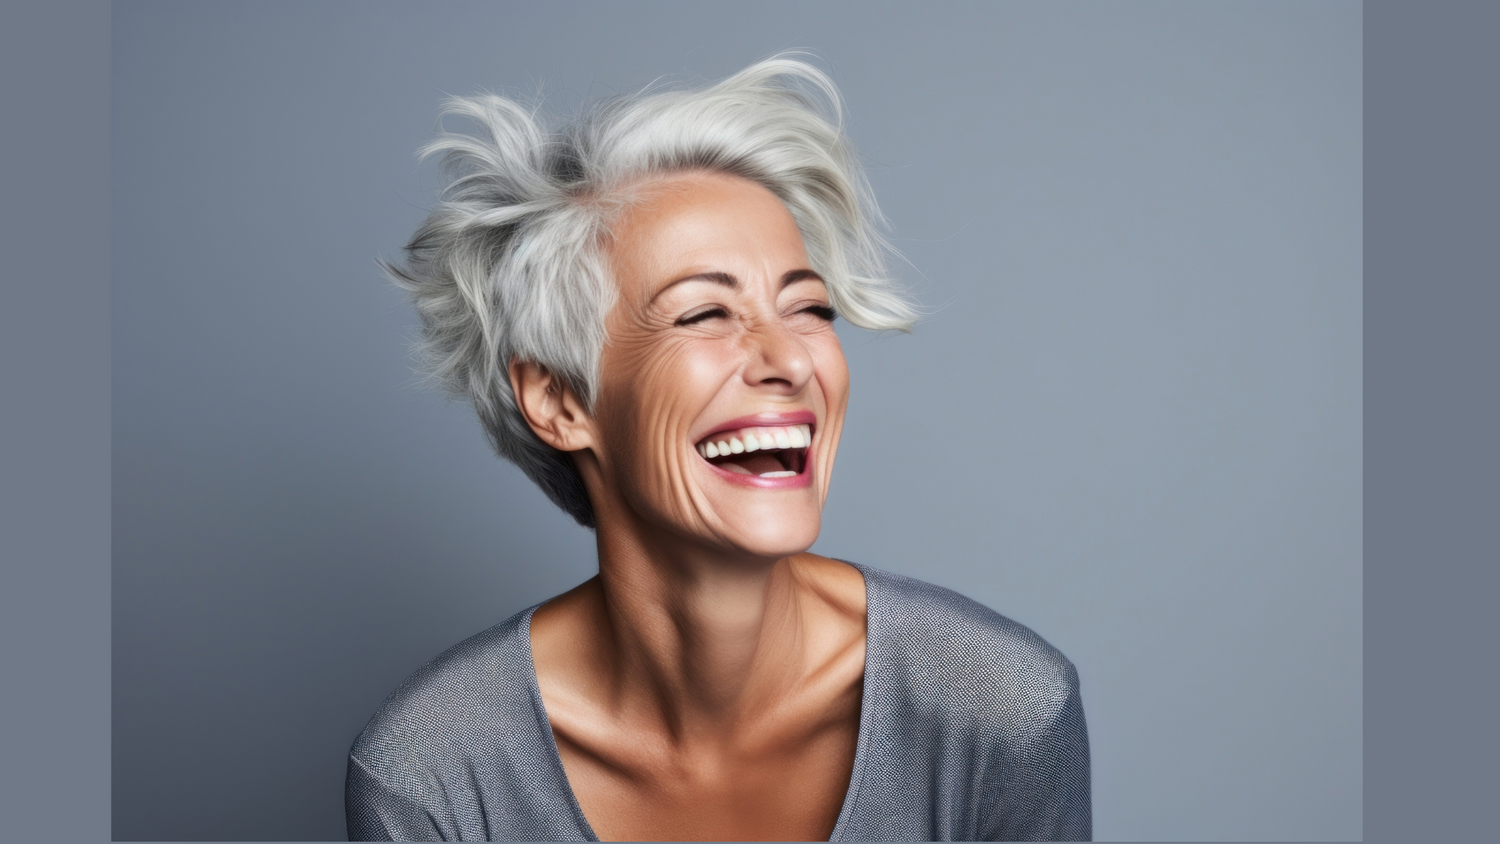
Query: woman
point(640, 308)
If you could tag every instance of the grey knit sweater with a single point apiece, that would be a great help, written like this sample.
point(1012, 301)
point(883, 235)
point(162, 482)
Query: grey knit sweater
point(971, 728)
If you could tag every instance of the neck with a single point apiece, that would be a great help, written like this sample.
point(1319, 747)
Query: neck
point(700, 638)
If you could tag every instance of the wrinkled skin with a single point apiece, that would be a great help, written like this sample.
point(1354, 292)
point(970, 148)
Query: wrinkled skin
point(706, 685)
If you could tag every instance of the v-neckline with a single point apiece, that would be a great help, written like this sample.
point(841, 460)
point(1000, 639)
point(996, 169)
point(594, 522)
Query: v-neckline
point(856, 774)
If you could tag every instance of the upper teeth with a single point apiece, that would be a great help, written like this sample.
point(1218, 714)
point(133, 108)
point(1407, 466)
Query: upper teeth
point(756, 439)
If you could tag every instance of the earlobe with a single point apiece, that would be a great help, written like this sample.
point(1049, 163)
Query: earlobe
point(550, 407)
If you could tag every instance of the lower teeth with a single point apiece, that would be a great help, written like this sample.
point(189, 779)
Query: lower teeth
point(778, 474)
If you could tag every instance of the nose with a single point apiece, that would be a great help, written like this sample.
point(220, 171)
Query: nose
point(778, 359)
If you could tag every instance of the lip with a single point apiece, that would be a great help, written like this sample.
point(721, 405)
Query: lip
point(766, 420)
point(763, 420)
point(798, 481)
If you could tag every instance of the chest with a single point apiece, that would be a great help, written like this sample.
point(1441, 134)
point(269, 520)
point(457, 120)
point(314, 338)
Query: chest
point(791, 790)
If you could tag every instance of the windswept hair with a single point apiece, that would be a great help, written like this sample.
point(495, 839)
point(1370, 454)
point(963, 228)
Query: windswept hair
point(510, 264)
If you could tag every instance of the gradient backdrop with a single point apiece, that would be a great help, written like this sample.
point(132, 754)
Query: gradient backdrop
point(1131, 422)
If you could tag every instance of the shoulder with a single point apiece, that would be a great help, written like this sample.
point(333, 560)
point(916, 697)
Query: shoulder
point(462, 750)
point(973, 713)
point(438, 716)
point(945, 653)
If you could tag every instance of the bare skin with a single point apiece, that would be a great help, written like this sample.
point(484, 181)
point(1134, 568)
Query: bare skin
point(707, 684)
point(660, 743)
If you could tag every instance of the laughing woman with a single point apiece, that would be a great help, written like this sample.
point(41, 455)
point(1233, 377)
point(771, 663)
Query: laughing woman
point(640, 306)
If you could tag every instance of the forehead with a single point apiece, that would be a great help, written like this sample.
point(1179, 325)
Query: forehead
point(701, 222)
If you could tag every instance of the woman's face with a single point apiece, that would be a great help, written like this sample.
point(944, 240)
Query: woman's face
point(723, 384)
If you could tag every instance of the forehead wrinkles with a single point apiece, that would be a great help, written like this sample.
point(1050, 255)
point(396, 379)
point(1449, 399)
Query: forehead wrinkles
point(670, 217)
point(639, 208)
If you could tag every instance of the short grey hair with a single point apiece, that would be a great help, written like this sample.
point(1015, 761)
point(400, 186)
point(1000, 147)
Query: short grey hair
point(510, 263)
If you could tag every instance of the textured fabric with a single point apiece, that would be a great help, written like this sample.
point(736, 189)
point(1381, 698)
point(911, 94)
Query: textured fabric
point(971, 728)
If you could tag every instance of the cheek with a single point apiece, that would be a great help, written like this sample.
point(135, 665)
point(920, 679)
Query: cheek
point(644, 358)
point(654, 391)
point(833, 380)
point(831, 368)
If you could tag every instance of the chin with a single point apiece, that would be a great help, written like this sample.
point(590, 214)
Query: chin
point(773, 538)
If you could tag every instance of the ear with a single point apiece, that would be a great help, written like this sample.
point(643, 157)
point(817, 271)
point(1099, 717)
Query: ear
point(550, 406)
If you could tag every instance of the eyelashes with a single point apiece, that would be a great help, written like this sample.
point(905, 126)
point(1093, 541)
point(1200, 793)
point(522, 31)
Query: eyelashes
point(700, 316)
point(822, 312)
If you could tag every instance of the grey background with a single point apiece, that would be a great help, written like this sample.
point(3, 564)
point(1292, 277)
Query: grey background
point(54, 423)
point(1132, 421)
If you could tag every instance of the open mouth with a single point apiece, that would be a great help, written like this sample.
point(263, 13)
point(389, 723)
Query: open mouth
point(761, 451)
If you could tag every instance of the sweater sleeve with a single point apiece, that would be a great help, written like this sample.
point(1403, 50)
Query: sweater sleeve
point(1043, 794)
point(375, 812)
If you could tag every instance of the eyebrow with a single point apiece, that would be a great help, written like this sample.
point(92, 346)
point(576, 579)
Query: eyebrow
point(719, 277)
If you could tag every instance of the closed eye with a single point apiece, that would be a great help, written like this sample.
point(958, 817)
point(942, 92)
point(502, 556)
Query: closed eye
point(700, 316)
point(822, 312)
